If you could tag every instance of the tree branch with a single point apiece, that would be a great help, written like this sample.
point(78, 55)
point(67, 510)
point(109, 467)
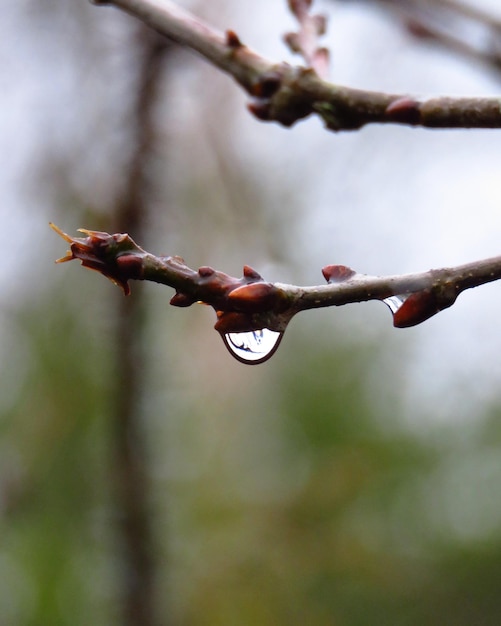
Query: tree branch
point(250, 303)
point(286, 94)
point(465, 29)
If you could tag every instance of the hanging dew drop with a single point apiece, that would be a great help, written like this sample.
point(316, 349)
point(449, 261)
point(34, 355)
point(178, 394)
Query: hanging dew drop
point(395, 302)
point(253, 347)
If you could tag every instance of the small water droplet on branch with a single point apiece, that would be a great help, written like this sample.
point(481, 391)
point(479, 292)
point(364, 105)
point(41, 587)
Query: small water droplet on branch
point(395, 302)
point(253, 347)
point(414, 308)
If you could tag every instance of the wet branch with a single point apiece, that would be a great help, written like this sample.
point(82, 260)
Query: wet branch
point(286, 94)
point(250, 303)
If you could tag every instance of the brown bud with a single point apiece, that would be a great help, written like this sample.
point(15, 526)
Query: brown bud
point(337, 273)
point(232, 322)
point(232, 39)
point(292, 40)
point(320, 23)
point(251, 273)
point(253, 297)
point(419, 29)
point(417, 308)
point(267, 84)
point(205, 271)
point(260, 108)
point(181, 299)
point(405, 110)
point(130, 266)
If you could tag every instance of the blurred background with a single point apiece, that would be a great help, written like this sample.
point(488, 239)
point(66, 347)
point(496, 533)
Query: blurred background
point(147, 477)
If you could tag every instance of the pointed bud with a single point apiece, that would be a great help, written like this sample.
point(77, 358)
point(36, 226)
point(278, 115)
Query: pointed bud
point(417, 308)
point(337, 273)
point(181, 300)
point(292, 40)
point(405, 110)
point(253, 297)
point(260, 108)
point(206, 271)
point(232, 40)
point(251, 273)
point(94, 253)
point(267, 84)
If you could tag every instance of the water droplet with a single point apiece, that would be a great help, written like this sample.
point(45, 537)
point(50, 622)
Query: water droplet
point(253, 347)
point(395, 302)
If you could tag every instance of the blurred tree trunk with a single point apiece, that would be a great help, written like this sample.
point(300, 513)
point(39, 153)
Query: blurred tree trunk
point(130, 454)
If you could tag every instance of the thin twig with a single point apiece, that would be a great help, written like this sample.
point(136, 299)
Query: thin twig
point(452, 24)
point(287, 94)
point(250, 303)
point(305, 40)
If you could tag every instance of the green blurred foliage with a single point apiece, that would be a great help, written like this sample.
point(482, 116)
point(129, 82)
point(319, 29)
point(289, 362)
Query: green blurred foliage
point(53, 479)
point(334, 524)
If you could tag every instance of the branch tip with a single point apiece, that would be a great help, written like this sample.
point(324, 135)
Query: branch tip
point(110, 255)
point(305, 40)
point(61, 233)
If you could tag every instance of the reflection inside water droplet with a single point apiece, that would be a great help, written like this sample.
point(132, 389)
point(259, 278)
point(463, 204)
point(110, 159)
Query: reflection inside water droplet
point(395, 302)
point(253, 347)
